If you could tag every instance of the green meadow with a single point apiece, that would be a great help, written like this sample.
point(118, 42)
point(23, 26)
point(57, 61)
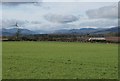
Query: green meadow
point(59, 60)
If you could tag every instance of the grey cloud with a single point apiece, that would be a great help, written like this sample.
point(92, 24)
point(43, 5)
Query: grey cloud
point(60, 18)
point(104, 12)
point(35, 22)
point(16, 3)
point(21, 23)
point(100, 23)
point(21, 0)
point(118, 9)
point(11, 23)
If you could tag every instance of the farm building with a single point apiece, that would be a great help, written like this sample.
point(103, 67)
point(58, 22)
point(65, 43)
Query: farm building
point(97, 39)
point(112, 39)
point(3, 39)
point(104, 39)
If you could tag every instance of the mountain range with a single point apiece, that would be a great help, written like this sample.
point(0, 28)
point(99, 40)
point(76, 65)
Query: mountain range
point(89, 31)
point(12, 31)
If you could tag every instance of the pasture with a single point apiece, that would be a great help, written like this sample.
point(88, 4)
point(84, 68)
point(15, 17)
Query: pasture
point(59, 60)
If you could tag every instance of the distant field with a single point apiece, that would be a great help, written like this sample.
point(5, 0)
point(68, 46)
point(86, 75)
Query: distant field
point(59, 60)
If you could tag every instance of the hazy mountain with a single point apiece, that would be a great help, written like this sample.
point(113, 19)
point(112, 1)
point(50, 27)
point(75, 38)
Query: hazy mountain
point(76, 31)
point(89, 31)
point(12, 31)
point(108, 30)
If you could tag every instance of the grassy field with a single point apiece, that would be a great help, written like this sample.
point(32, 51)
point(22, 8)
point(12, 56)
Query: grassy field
point(59, 60)
point(0, 60)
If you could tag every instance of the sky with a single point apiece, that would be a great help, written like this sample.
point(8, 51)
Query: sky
point(53, 15)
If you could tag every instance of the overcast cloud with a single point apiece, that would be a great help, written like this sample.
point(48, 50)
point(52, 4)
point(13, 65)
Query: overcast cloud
point(104, 12)
point(54, 16)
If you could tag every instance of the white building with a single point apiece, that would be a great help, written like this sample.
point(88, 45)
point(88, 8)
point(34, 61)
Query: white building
point(97, 39)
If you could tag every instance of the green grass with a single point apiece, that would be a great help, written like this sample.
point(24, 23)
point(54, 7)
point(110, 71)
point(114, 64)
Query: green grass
point(59, 60)
point(0, 60)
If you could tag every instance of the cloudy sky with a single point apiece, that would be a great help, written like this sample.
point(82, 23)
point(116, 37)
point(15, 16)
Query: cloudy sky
point(50, 16)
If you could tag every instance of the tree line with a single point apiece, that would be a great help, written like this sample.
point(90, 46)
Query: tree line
point(56, 37)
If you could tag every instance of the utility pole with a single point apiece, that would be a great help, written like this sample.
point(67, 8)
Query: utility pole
point(17, 32)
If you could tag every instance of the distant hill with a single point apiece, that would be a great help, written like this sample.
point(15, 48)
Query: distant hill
point(108, 30)
point(89, 31)
point(12, 31)
point(76, 31)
